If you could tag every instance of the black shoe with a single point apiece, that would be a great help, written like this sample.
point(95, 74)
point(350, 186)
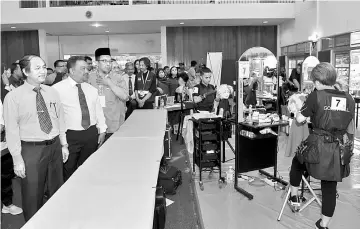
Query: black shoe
point(318, 225)
point(294, 201)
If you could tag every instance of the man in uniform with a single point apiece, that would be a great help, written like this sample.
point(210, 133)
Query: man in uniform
point(35, 134)
point(112, 91)
point(204, 93)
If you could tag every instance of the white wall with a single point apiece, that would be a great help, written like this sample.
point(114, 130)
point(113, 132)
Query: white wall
point(335, 17)
point(58, 46)
point(300, 28)
point(12, 14)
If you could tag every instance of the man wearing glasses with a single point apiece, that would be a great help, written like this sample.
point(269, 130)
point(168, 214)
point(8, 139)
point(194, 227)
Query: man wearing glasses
point(112, 91)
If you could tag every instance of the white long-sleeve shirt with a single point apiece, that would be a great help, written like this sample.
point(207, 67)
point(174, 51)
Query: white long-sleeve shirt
point(69, 97)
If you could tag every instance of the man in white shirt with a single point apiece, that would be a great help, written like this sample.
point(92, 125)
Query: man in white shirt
point(84, 117)
point(129, 78)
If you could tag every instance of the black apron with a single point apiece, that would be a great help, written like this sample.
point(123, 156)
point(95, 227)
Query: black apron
point(333, 114)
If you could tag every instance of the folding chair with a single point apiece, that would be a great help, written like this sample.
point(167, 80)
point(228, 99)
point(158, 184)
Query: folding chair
point(288, 192)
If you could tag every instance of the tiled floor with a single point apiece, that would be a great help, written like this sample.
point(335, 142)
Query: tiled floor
point(227, 209)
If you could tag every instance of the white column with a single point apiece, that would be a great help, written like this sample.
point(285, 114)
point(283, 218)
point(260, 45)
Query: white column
point(42, 45)
point(163, 47)
point(278, 43)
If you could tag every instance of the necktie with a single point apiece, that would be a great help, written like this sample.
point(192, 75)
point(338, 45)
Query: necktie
point(85, 121)
point(43, 113)
point(130, 87)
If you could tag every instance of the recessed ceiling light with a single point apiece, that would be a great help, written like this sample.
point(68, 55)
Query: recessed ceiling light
point(107, 31)
point(265, 22)
point(181, 23)
point(13, 27)
point(96, 25)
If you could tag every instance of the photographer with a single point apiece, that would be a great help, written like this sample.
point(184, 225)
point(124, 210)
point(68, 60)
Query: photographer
point(332, 115)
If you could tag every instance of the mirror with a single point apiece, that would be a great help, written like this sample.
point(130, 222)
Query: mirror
point(307, 66)
point(257, 79)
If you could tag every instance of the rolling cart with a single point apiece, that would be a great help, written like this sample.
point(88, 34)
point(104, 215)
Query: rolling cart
point(207, 137)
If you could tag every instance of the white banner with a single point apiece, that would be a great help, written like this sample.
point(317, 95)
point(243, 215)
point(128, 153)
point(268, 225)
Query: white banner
point(214, 63)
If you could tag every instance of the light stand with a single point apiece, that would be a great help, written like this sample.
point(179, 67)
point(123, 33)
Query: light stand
point(236, 186)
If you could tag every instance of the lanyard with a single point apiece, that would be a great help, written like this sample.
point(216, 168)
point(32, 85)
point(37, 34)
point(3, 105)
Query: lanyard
point(142, 78)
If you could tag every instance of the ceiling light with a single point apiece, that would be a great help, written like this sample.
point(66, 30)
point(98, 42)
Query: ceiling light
point(13, 27)
point(265, 22)
point(107, 31)
point(181, 23)
point(96, 25)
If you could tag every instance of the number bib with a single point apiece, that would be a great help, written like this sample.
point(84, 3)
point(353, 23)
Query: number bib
point(338, 103)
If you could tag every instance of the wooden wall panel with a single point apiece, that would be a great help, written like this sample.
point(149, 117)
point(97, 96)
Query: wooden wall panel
point(185, 44)
point(15, 45)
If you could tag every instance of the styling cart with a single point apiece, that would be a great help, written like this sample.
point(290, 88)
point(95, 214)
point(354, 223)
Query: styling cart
point(207, 147)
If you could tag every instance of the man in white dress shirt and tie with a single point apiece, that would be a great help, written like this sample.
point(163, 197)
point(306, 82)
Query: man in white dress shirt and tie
point(129, 78)
point(84, 117)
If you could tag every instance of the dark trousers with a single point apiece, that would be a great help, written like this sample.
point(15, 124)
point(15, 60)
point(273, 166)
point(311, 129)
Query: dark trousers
point(107, 136)
point(43, 163)
point(82, 143)
point(7, 174)
point(147, 105)
point(131, 106)
point(328, 188)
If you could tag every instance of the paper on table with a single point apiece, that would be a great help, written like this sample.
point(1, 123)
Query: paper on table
point(168, 202)
point(3, 146)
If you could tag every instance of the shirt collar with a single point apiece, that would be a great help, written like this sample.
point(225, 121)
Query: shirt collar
point(72, 82)
point(31, 87)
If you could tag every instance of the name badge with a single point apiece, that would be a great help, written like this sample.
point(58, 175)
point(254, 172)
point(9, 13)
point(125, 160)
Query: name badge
point(338, 103)
point(102, 100)
point(196, 90)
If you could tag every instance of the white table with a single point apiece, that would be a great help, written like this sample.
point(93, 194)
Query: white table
point(114, 188)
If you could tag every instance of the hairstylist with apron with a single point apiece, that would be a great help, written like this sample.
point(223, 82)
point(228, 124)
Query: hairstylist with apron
point(145, 85)
point(332, 114)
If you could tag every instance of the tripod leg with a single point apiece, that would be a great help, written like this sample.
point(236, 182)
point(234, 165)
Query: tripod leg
point(283, 206)
point(307, 204)
point(311, 190)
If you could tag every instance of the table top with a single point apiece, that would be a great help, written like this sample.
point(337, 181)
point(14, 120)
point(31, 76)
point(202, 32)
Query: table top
point(177, 106)
point(264, 125)
point(115, 185)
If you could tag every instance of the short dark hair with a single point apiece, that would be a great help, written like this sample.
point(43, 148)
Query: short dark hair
point(24, 63)
point(72, 61)
point(324, 73)
point(13, 67)
point(181, 64)
point(166, 67)
point(204, 70)
point(50, 69)
point(87, 58)
point(146, 62)
point(112, 60)
point(184, 76)
point(193, 63)
point(57, 62)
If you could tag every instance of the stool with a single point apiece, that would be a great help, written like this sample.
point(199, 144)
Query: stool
point(288, 192)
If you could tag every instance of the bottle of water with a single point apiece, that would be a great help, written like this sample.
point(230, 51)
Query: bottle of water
point(230, 175)
point(161, 103)
point(250, 114)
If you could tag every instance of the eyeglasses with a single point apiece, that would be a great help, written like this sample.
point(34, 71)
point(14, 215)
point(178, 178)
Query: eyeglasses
point(106, 61)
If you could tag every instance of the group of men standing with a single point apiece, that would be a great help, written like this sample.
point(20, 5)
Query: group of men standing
point(52, 130)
